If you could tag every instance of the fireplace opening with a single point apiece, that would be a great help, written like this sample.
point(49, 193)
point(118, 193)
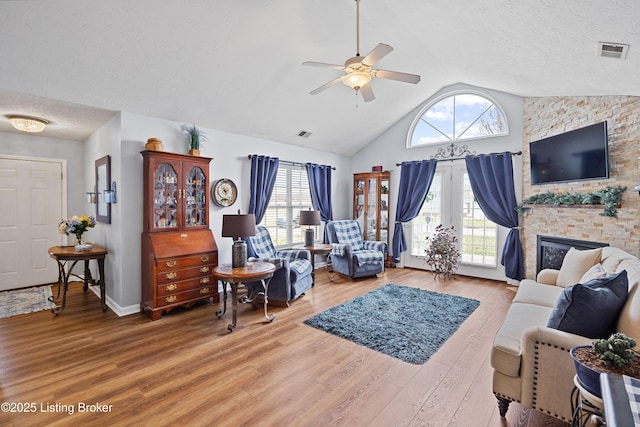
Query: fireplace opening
point(551, 250)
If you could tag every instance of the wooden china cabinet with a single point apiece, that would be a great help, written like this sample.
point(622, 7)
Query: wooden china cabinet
point(179, 252)
point(371, 204)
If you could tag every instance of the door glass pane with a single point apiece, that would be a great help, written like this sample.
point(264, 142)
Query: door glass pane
point(428, 219)
point(372, 210)
point(165, 196)
point(479, 235)
point(195, 198)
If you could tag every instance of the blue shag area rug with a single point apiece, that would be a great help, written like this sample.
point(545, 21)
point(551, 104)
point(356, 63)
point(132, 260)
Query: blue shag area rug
point(407, 323)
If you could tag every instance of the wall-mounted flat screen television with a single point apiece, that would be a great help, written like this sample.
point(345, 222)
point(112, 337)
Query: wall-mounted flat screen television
point(579, 154)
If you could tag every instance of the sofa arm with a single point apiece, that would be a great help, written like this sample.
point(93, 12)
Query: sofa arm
point(547, 370)
point(548, 276)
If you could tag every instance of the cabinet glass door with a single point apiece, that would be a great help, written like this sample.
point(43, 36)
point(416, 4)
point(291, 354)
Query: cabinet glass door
point(384, 210)
point(195, 198)
point(165, 197)
point(372, 209)
point(358, 203)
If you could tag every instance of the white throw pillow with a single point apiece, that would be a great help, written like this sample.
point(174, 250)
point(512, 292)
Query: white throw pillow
point(575, 264)
point(595, 272)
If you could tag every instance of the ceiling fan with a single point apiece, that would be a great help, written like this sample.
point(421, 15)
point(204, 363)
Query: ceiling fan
point(359, 71)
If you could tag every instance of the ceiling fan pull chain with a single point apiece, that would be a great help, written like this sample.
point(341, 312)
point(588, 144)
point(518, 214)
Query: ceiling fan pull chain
point(357, 28)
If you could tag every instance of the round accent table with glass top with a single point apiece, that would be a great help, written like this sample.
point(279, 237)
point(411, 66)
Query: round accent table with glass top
point(316, 249)
point(252, 272)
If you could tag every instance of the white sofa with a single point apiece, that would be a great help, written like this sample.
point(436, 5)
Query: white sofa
point(531, 362)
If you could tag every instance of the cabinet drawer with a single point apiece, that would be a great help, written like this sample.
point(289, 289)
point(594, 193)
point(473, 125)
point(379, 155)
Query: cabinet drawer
point(171, 264)
point(199, 293)
point(186, 285)
point(185, 273)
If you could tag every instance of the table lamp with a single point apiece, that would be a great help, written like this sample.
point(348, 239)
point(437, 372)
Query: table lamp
point(309, 218)
point(237, 227)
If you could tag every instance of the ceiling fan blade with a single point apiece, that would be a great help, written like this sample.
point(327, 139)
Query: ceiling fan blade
point(367, 93)
point(395, 75)
point(377, 54)
point(326, 85)
point(323, 65)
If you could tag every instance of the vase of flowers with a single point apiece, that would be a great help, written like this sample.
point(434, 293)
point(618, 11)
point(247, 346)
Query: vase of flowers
point(78, 225)
point(442, 255)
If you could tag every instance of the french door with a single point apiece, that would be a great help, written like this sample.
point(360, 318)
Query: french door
point(450, 202)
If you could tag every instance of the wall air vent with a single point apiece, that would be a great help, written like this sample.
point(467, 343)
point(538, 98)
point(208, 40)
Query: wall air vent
point(304, 134)
point(613, 50)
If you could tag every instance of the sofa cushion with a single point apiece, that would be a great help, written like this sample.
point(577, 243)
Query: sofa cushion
point(530, 292)
point(507, 344)
point(591, 309)
point(575, 264)
point(595, 272)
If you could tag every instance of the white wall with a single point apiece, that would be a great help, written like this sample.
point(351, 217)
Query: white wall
point(229, 153)
point(51, 148)
point(390, 148)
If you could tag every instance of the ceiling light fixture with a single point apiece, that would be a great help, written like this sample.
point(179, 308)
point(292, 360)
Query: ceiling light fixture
point(28, 124)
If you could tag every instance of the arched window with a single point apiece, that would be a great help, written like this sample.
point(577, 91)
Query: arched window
point(461, 116)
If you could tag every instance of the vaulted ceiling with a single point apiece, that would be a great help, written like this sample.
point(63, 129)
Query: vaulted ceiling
point(236, 65)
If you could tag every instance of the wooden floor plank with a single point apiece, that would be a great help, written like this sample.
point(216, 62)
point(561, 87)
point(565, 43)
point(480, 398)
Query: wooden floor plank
point(187, 369)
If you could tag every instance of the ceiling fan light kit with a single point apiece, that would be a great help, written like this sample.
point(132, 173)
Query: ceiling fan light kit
point(359, 71)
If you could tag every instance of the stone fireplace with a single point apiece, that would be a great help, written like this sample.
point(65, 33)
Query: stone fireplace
point(551, 250)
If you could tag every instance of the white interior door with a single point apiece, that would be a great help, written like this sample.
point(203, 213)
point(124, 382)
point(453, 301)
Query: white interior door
point(30, 211)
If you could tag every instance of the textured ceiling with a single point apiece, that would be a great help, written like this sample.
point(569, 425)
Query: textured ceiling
point(236, 65)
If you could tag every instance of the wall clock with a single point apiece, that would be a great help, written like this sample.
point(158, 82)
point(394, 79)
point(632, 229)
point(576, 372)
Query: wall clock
point(224, 192)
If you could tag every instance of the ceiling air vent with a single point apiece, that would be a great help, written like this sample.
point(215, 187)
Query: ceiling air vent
point(613, 50)
point(304, 134)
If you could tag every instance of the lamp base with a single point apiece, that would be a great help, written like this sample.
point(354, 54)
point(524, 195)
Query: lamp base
point(239, 254)
point(309, 237)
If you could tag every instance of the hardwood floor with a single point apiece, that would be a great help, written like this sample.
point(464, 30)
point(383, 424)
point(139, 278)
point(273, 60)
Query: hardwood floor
point(186, 369)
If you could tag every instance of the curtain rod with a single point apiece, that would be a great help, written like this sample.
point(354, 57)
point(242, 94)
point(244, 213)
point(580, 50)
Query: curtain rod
point(290, 163)
point(517, 153)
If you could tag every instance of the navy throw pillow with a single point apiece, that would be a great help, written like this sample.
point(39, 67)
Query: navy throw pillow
point(591, 309)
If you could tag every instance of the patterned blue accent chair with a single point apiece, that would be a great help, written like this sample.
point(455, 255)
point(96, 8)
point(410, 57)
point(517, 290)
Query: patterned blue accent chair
point(293, 275)
point(352, 255)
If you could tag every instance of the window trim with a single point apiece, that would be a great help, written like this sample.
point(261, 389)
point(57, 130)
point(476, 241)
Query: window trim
point(424, 109)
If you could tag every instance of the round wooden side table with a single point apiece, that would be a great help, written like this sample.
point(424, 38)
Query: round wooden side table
point(252, 272)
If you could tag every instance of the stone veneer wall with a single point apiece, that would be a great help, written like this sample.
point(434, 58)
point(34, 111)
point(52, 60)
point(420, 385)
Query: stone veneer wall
point(544, 117)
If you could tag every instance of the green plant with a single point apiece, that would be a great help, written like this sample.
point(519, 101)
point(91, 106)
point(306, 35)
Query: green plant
point(616, 350)
point(442, 255)
point(195, 136)
point(609, 196)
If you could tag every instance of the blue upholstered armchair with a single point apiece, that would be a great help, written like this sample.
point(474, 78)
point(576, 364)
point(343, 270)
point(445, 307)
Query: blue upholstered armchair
point(351, 255)
point(293, 275)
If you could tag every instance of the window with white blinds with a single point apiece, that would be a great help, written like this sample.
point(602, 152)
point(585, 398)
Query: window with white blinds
point(290, 196)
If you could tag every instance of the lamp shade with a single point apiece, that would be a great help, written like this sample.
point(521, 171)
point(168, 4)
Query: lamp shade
point(309, 217)
point(238, 225)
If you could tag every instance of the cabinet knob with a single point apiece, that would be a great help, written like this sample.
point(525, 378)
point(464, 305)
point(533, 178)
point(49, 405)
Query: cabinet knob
point(172, 287)
point(204, 291)
point(172, 275)
point(171, 263)
point(204, 258)
point(204, 269)
point(204, 280)
point(172, 298)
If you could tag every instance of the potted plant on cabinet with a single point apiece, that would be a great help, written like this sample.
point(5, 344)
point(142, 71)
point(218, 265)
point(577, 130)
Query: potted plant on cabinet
point(194, 138)
point(613, 355)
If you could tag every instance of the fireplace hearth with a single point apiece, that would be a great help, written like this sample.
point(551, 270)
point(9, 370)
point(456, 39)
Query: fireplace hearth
point(551, 250)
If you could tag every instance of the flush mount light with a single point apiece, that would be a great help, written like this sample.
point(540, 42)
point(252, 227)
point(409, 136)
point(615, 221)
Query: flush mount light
point(28, 124)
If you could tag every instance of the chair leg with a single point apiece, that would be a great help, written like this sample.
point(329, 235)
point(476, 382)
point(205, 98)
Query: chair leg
point(503, 405)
